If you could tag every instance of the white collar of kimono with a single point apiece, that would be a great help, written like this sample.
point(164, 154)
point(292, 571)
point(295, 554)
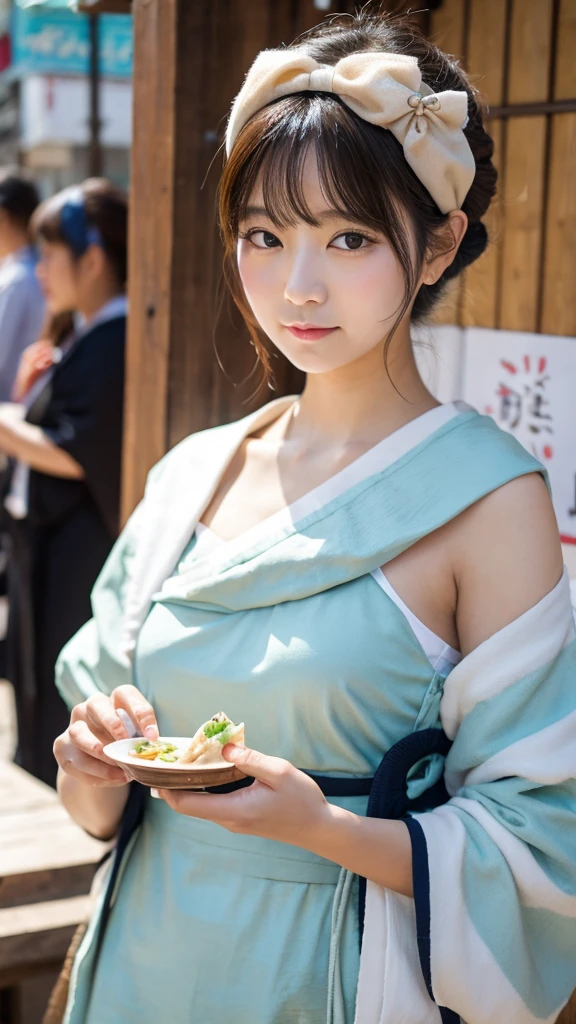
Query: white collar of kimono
point(175, 520)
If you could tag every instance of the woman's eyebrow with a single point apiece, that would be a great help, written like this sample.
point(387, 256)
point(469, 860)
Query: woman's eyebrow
point(255, 211)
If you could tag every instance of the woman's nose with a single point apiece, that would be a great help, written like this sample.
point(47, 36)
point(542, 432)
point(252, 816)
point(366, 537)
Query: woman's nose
point(304, 283)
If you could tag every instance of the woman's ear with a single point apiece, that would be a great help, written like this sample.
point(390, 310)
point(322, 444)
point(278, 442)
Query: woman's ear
point(94, 263)
point(452, 235)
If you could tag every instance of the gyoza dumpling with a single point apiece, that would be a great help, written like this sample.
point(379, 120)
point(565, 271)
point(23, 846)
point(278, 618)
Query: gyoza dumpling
point(210, 738)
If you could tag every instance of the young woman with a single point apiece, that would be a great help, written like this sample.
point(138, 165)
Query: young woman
point(61, 503)
point(364, 577)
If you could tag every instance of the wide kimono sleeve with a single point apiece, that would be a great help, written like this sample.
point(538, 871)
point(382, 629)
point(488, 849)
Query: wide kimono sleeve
point(94, 660)
point(495, 867)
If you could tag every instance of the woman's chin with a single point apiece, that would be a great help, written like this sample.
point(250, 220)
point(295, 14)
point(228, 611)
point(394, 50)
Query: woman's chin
point(308, 357)
point(319, 363)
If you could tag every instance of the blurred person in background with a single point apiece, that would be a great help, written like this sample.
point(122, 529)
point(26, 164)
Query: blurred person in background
point(22, 304)
point(63, 434)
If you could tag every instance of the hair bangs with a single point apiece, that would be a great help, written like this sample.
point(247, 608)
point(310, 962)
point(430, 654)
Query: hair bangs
point(361, 167)
point(45, 222)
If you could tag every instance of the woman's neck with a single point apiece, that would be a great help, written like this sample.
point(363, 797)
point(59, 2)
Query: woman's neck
point(361, 403)
point(97, 299)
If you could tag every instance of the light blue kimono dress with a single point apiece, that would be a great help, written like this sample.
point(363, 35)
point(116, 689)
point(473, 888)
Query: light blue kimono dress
point(292, 629)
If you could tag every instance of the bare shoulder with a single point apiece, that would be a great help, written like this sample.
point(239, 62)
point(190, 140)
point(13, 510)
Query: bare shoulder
point(507, 557)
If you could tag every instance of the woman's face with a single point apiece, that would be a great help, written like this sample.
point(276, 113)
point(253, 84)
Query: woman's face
point(325, 296)
point(57, 272)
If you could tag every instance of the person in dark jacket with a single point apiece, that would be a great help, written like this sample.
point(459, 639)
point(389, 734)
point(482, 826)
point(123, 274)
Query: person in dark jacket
point(64, 439)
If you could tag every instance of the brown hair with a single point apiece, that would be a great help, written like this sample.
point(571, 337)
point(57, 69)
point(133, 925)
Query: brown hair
point(18, 195)
point(363, 172)
point(106, 209)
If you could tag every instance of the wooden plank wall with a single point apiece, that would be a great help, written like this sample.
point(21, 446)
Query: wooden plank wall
point(520, 53)
point(559, 276)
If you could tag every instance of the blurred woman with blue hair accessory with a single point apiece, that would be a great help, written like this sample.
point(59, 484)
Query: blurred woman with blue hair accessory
point(74, 224)
point(61, 502)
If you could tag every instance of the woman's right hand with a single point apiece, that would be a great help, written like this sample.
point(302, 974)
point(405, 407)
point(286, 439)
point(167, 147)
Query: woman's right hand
point(79, 751)
point(34, 361)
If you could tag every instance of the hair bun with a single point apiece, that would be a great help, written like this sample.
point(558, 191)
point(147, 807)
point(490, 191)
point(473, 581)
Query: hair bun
point(475, 240)
point(471, 247)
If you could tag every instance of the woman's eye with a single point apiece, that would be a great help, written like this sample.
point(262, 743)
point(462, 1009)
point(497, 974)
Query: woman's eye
point(263, 239)
point(351, 240)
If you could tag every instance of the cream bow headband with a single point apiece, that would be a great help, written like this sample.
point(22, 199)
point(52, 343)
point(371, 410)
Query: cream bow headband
point(385, 89)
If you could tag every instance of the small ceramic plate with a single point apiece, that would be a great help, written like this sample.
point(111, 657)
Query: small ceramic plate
point(162, 775)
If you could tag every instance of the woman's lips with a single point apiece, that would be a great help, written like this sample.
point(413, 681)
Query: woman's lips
point(308, 333)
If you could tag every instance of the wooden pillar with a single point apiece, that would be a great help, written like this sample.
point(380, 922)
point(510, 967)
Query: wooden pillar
point(189, 61)
point(150, 257)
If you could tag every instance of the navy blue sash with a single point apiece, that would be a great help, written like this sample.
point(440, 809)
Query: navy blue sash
point(389, 790)
point(388, 798)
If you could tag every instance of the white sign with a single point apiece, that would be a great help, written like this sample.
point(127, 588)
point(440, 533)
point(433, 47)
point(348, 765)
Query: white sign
point(56, 109)
point(527, 382)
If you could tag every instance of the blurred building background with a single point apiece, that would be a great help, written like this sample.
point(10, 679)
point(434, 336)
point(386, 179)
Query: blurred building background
point(45, 92)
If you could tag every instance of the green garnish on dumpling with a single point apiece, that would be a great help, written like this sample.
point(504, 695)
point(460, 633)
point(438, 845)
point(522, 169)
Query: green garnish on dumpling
point(212, 728)
point(229, 729)
point(207, 742)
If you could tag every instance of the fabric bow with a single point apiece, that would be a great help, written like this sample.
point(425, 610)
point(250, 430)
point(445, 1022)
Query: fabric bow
point(385, 89)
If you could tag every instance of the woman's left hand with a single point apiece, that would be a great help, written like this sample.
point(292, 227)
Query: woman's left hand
point(282, 804)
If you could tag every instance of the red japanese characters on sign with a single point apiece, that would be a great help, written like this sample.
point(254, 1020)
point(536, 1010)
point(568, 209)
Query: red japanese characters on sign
point(522, 400)
point(526, 382)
